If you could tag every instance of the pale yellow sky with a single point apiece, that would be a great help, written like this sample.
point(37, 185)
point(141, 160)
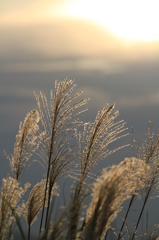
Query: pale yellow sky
point(129, 19)
point(32, 11)
point(57, 34)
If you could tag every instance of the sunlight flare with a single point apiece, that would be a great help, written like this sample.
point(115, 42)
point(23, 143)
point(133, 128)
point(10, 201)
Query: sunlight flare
point(132, 20)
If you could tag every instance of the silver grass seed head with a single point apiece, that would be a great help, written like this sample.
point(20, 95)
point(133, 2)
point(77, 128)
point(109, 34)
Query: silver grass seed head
point(27, 141)
point(36, 198)
point(111, 190)
point(11, 194)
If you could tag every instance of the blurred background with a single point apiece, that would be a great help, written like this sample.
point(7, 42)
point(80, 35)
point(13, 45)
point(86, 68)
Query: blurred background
point(110, 48)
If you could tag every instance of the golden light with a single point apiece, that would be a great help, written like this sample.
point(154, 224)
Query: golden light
point(128, 19)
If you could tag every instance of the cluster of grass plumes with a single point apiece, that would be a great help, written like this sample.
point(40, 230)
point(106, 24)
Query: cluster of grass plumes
point(67, 147)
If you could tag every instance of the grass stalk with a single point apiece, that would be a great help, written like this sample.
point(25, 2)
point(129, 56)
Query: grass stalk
point(149, 155)
point(47, 178)
point(143, 207)
point(126, 215)
point(49, 165)
point(29, 232)
point(48, 207)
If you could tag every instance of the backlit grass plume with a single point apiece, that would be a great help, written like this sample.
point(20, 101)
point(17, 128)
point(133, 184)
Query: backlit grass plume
point(93, 146)
point(11, 194)
point(57, 138)
point(149, 152)
point(58, 121)
point(26, 142)
point(110, 191)
point(96, 138)
point(35, 201)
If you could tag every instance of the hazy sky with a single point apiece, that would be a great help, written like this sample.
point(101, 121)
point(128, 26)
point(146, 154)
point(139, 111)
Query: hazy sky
point(61, 34)
point(72, 36)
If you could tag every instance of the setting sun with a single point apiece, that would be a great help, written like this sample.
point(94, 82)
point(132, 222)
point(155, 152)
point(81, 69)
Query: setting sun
point(130, 20)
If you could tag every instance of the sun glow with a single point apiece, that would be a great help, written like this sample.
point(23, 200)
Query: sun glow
point(128, 19)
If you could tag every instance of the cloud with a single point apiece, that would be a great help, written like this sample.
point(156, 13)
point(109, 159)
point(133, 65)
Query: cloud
point(56, 45)
point(66, 44)
point(138, 101)
point(100, 96)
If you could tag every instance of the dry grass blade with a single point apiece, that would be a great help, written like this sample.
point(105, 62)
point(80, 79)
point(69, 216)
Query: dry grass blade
point(110, 191)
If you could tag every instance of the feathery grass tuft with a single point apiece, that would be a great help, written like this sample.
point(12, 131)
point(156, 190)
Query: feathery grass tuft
point(59, 121)
point(27, 141)
point(96, 137)
point(35, 201)
point(69, 148)
point(110, 191)
point(11, 194)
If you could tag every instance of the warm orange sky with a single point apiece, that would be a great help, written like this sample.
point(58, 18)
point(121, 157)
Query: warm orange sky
point(57, 34)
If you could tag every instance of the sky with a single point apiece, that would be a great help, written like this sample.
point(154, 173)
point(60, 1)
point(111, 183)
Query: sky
point(59, 34)
point(110, 48)
point(82, 36)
